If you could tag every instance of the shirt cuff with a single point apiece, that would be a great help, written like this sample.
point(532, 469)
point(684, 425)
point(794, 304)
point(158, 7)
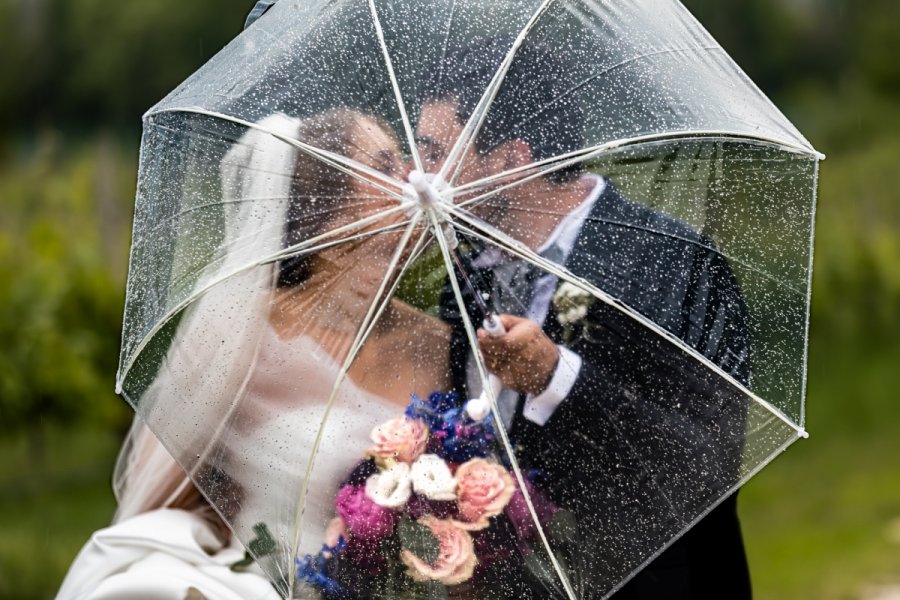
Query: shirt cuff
point(538, 409)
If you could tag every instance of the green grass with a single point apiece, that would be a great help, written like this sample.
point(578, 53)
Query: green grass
point(816, 519)
point(53, 494)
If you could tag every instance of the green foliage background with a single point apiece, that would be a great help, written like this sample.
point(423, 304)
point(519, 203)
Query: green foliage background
point(75, 76)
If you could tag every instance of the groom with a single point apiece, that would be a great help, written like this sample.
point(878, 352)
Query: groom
point(628, 432)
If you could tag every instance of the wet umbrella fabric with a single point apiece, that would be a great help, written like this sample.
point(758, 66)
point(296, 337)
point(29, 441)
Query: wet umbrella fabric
point(285, 275)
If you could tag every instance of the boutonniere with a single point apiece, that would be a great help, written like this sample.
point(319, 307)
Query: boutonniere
point(571, 304)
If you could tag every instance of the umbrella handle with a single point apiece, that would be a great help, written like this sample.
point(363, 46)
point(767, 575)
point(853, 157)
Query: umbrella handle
point(479, 408)
point(493, 326)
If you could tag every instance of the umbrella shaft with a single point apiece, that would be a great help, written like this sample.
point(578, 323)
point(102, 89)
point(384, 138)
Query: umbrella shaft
point(479, 300)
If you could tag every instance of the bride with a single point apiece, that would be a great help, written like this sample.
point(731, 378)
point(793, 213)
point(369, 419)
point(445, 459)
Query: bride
point(320, 302)
point(263, 397)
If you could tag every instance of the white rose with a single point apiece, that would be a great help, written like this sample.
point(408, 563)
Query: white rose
point(390, 488)
point(571, 303)
point(432, 477)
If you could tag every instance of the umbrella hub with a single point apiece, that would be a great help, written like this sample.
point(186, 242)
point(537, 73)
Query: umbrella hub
point(429, 193)
point(427, 190)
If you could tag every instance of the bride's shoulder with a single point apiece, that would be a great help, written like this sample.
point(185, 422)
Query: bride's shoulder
point(160, 554)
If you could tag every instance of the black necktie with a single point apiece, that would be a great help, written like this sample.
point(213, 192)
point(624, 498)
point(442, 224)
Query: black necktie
point(515, 280)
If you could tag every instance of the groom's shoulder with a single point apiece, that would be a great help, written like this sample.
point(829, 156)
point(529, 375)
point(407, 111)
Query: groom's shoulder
point(614, 209)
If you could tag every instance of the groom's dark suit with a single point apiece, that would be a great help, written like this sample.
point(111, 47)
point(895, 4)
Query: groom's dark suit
point(648, 437)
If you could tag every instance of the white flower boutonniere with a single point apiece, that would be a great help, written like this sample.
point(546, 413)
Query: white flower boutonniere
point(571, 304)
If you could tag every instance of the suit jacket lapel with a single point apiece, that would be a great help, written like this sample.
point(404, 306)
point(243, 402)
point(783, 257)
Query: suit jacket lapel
point(586, 258)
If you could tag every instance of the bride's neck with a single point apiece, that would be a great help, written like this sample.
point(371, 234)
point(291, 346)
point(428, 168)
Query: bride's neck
point(332, 299)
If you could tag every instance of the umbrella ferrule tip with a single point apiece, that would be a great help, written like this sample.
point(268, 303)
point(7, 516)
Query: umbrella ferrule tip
point(803, 433)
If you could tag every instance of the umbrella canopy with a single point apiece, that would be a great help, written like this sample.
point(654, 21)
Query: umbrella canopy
point(330, 207)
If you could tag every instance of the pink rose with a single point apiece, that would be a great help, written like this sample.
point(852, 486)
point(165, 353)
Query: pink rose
point(483, 491)
point(402, 439)
point(362, 517)
point(456, 558)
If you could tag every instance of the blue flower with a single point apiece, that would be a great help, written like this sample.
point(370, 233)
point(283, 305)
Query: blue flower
point(432, 409)
point(313, 569)
point(455, 436)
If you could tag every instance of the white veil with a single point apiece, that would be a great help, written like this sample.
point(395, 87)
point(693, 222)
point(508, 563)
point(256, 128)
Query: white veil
point(233, 302)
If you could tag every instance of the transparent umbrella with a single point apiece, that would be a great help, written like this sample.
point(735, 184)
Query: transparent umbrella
point(332, 207)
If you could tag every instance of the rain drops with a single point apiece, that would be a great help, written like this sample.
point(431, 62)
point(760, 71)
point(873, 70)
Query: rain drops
point(391, 488)
point(432, 478)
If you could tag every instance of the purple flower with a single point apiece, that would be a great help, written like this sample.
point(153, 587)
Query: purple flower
point(518, 514)
point(363, 518)
point(420, 506)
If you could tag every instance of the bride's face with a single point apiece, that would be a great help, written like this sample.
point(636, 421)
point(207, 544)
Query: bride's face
point(379, 149)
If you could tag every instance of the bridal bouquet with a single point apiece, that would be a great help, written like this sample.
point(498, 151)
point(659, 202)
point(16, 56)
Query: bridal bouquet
point(429, 506)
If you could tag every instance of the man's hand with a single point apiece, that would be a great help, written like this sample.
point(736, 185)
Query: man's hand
point(523, 358)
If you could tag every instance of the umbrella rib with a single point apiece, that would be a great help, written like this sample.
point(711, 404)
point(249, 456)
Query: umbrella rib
point(306, 245)
point(479, 114)
point(749, 82)
point(809, 272)
point(492, 235)
point(731, 259)
point(374, 311)
point(564, 160)
point(187, 211)
point(528, 118)
point(291, 251)
point(344, 164)
point(445, 45)
point(414, 254)
point(488, 388)
point(401, 106)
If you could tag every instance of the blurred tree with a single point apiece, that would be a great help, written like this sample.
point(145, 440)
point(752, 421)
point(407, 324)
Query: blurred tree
point(61, 302)
point(86, 62)
point(876, 45)
point(783, 44)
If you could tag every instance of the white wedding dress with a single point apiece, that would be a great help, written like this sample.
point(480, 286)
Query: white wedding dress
point(170, 554)
point(285, 404)
point(202, 402)
point(162, 554)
